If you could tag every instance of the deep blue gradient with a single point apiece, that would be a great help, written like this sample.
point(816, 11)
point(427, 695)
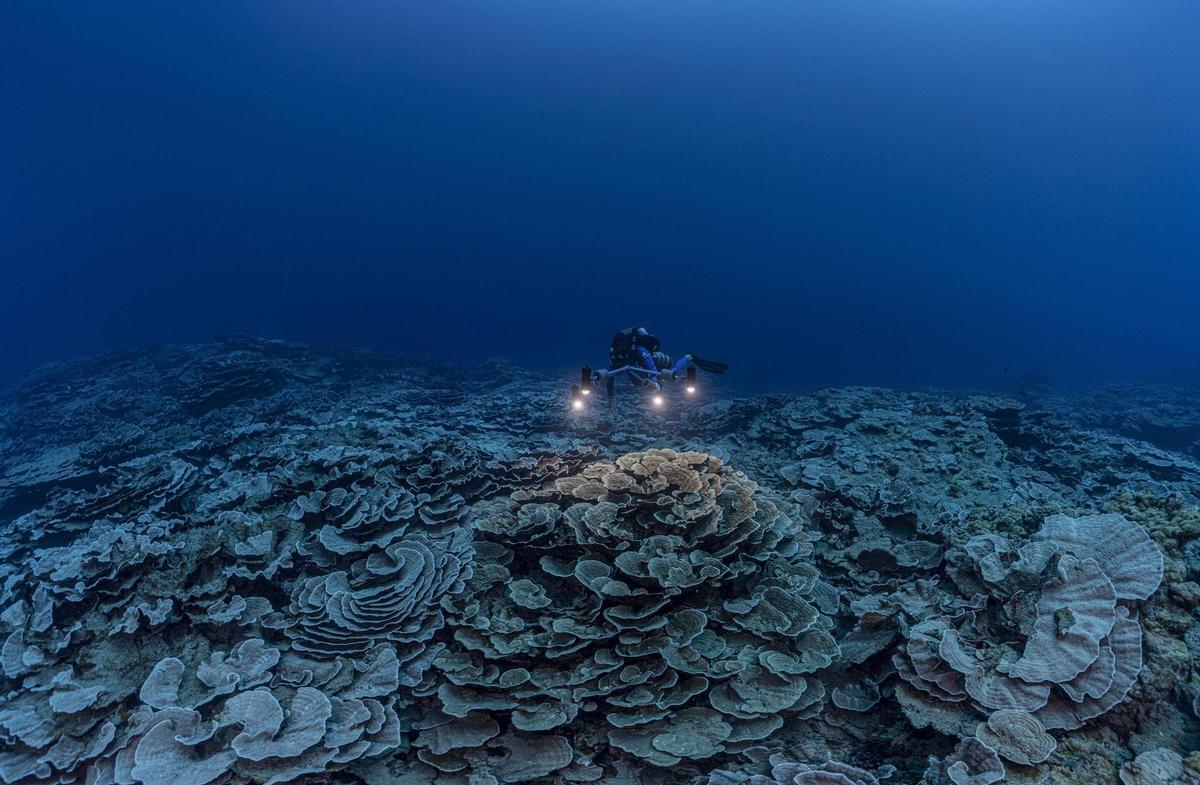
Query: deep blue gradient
point(820, 193)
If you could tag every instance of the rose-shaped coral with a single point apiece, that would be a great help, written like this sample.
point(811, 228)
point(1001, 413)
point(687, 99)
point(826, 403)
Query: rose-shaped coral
point(661, 599)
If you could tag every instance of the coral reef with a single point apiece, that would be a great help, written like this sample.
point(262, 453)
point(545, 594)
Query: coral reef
point(660, 602)
point(1042, 642)
point(255, 562)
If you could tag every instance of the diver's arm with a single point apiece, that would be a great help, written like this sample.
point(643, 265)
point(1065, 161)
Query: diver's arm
point(648, 362)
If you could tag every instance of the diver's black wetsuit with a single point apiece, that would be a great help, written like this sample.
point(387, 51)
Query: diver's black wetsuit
point(633, 346)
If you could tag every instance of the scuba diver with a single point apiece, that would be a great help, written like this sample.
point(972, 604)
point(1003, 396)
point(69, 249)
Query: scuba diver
point(637, 347)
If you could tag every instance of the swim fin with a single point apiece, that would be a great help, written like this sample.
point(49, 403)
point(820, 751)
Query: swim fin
point(712, 366)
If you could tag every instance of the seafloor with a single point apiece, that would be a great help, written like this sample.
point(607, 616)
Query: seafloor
point(259, 562)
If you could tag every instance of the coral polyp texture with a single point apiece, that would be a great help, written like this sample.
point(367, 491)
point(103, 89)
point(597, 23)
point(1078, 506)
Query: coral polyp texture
point(256, 562)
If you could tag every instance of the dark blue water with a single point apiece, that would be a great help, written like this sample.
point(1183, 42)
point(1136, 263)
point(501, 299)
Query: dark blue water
point(820, 193)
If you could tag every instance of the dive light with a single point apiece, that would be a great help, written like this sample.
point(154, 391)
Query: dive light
point(691, 380)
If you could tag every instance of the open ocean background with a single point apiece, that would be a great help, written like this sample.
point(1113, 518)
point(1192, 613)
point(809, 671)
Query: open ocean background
point(820, 193)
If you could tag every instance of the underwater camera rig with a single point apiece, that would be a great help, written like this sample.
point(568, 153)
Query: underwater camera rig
point(590, 379)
